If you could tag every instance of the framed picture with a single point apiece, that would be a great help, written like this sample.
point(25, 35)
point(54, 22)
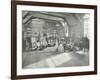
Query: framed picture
point(52, 39)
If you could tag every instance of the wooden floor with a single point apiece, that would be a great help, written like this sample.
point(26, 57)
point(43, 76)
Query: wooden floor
point(49, 58)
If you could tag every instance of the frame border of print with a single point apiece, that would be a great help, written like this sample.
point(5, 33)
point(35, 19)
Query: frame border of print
point(14, 39)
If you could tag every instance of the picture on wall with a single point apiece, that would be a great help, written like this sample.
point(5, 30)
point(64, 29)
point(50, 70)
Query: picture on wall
point(53, 39)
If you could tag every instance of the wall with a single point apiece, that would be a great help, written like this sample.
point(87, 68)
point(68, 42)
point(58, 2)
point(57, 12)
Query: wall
point(5, 40)
point(75, 26)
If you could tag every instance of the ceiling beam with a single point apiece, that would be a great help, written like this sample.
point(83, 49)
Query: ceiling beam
point(43, 16)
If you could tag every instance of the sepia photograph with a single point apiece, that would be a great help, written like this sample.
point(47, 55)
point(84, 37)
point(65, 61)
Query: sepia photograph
point(55, 39)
